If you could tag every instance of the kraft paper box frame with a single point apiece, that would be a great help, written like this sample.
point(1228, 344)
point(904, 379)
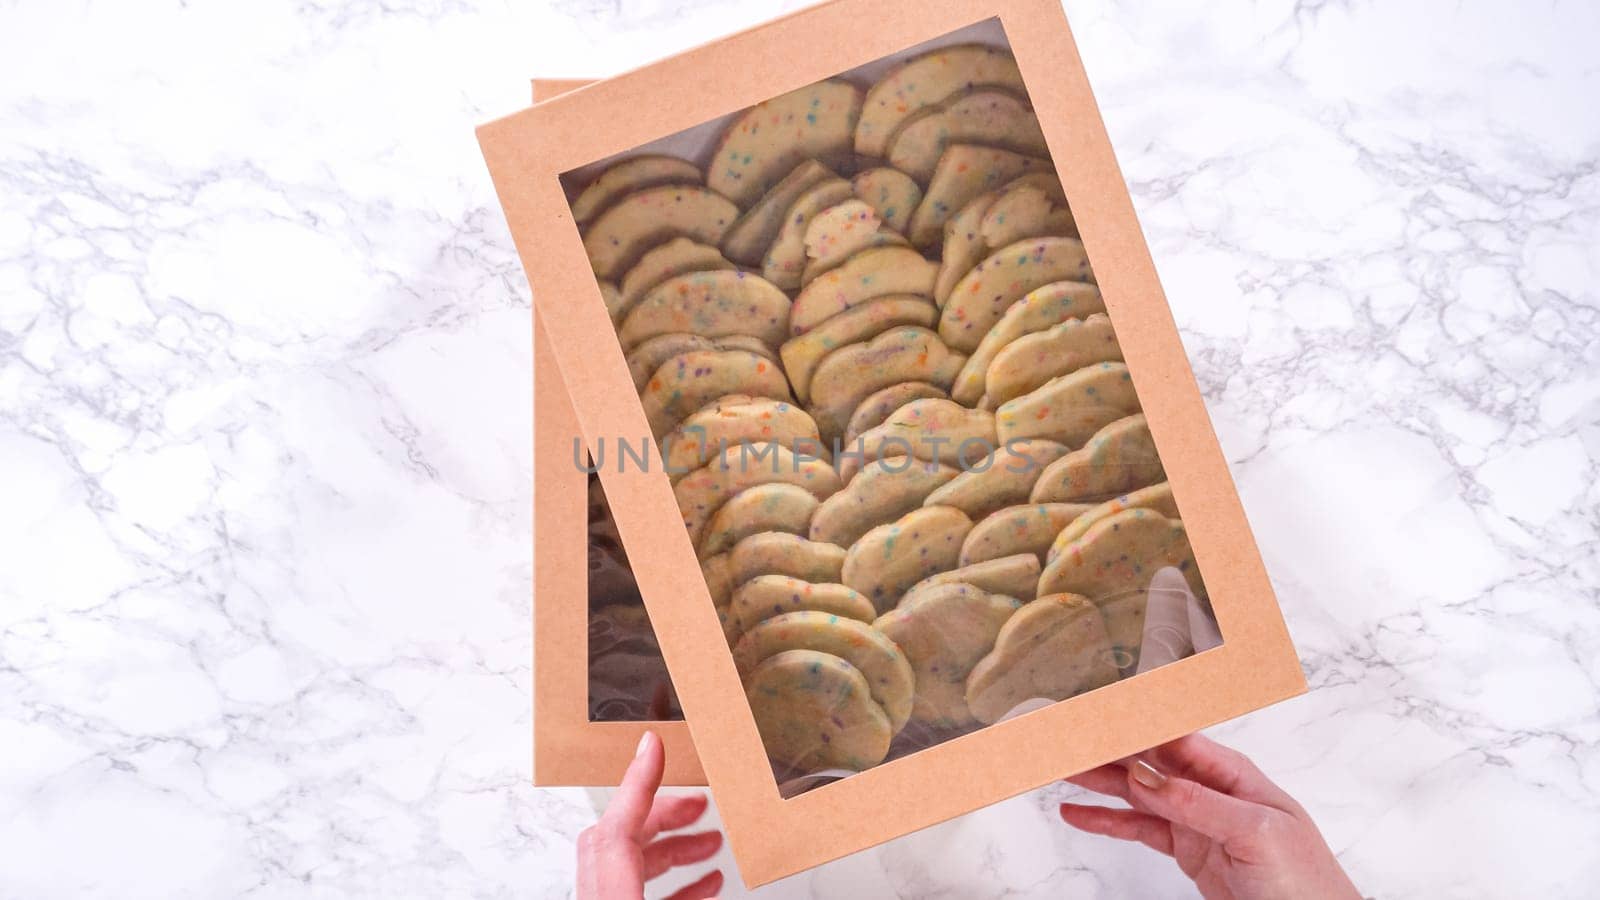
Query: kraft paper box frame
point(770, 836)
point(569, 748)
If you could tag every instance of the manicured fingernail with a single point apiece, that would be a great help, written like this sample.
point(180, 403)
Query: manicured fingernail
point(644, 743)
point(1147, 775)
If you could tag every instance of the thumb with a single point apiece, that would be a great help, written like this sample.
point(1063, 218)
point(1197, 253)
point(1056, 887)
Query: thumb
point(1195, 806)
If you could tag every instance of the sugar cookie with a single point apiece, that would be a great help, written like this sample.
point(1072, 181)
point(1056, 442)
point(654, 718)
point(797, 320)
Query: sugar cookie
point(893, 194)
point(872, 273)
point(643, 219)
point(1037, 310)
point(734, 419)
point(678, 256)
point(628, 176)
point(1070, 408)
point(889, 559)
point(990, 117)
point(688, 381)
point(702, 492)
point(719, 579)
point(1157, 497)
point(711, 304)
point(943, 635)
point(1120, 553)
point(847, 375)
point(964, 172)
point(927, 80)
point(934, 430)
point(803, 353)
point(785, 260)
point(777, 553)
point(887, 672)
point(884, 491)
point(764, 507)
point(612, 296)
point(1024, 528)
point(1029, 210)
point(984, 294)
point(765, 596)
point(964, 243)
point(1121, 457)
point(815, 711)
point(749, 237)
point(840, 232)
point(1003, 479)
point(1009, 576)
point(1053, 648)
point(817, 121)
point(647, 357)
point(1033, 359)
point(880, 404)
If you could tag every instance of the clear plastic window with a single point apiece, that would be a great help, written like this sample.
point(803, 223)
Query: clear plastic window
point(869, 344)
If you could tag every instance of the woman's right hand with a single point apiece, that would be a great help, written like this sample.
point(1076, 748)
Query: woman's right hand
point(1231, 830)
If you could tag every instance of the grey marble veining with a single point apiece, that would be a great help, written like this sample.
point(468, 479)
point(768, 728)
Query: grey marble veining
point(265, 417)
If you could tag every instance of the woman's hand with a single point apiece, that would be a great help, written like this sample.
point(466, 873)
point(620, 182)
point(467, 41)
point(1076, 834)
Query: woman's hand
point(619, 853)
point(1232, 830)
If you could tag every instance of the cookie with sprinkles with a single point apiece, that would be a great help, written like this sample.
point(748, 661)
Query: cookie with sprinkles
point(630, 175)
point(964, 172)
point(982, 296)
point(934, 430)
point(677, 256)
point(689, 381)
point(887, 672)
point(644, 359)
point(1119, 553)
point(747, 241)
point(881, 404)
point(710, 304)
point(893, 193)
point(1024, 528)
point(1033, 359)
point(1069, 409)
point(888, 560)
point(768, 140)
point(815, 711)
point(1013, 576)
point(965, 242)
point(990, 117)
point(847, 375)
point(1005, 478)
point(1053, 648)
point(734, 419)
point(870, 274)
point(802, 354)
point(641, 220)
point(1037, 310)
point(884, 491)
point(765, 596)
point(1157, 497)
point(764, 507)
point(1121, 457)
point(777, 553)
point(840, 232)
point(702, 492)
point(944, 633)
point(927, 80)
point(784, 263)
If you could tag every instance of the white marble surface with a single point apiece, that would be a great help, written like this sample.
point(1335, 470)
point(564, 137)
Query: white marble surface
point(264, 437)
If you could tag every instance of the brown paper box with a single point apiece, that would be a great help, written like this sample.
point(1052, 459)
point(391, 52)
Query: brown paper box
point(569, 749)
point(770, 836)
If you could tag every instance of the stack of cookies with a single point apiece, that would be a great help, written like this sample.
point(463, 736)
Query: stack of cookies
point(899, 426)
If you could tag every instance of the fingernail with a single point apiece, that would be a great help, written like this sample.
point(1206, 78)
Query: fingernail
point(644, 743)
point(1147, 775)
